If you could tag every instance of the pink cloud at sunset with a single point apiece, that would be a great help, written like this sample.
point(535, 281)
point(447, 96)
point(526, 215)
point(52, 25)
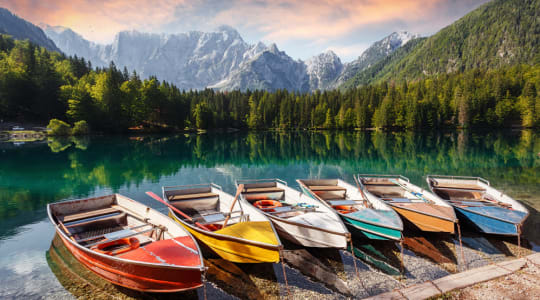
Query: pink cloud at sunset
point(322, 24)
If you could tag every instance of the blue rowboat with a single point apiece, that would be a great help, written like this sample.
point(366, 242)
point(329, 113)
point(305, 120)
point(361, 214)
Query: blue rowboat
point(479, 204)
point(364, 216)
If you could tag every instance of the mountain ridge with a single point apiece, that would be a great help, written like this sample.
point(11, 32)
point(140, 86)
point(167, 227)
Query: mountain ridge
point(21, 29)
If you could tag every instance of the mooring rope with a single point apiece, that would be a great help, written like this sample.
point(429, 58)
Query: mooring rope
point(518, 228)
point(401, 255)
point(354, 258)
point(461, 245)
point(204, 284)
point(284, 273)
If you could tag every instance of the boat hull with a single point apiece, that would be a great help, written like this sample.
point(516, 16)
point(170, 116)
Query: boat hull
point(426, 222)
point(309, 236)
point(140, 277)
point(232, 249)
point(486, 224)
point(371, 231)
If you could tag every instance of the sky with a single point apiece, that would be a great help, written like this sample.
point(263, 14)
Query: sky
point(302, 28)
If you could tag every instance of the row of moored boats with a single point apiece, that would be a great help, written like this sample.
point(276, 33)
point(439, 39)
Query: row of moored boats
point(135, 246)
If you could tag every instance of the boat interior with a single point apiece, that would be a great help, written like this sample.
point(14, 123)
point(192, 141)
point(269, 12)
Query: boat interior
point(108, 228)
point(205, 206)
point(390, 190)
point(270, 198)
point(465, 194)
point(334, 194)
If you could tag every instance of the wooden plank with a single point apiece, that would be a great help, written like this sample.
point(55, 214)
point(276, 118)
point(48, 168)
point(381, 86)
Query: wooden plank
point(263, 190)
point(326, 188)
point(87, 214)
point(420, 291)
point(192, 196)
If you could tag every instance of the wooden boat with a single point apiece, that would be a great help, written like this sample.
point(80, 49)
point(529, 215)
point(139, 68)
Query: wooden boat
point(296, 217)
point(128, 243)
point(247, 237)
point(367, 216)
point(423, 209)
point(487, 209)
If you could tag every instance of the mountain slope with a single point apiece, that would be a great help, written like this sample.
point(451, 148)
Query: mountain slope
point(379, 50)
point(499, 33)
point(269, 70)
point(21, 29)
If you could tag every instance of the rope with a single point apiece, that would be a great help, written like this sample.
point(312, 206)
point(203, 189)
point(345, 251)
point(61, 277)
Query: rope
point(401, 255)
point(518, 227)
point(354, 259)
point(461, 245)
point(204, 284)
point(284, 273)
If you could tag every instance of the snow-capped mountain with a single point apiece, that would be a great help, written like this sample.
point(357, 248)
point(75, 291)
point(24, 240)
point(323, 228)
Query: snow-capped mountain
point(270, 69)
point(220, 59)
point(323, 69)
point(192, 60)
point(373, 54)
point(21, 29)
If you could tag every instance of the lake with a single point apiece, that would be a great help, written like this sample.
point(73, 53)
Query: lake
point(34, 174)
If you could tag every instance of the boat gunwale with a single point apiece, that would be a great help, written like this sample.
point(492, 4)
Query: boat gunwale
point(201, 266)
point(350, 217)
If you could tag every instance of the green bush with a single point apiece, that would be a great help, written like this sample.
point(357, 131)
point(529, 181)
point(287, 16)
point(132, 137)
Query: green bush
point(58, 127)
point(80, 128)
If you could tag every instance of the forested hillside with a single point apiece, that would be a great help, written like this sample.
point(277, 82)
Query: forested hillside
point(38, 85)
point(497, 34)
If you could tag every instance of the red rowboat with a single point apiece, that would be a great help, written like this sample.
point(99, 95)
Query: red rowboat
point(129, 244)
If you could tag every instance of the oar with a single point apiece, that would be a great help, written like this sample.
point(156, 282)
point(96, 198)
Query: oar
point(176, 210)
point(238, 192)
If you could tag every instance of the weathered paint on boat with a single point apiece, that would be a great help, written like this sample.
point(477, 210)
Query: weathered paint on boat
point(426, 222)
point(239, 250)
point(476, 202)
point(179, 268)
point(487, 224)
point(250, 241)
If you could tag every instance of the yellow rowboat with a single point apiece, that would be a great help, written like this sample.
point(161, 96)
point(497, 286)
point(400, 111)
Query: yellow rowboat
point(233, 231)
point(424, 210)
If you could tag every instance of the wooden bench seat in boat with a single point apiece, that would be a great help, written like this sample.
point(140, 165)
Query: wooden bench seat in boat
point(263, 190)
point(471, 187)
point(192, 196)
point(87, 214)
point(378, 183)
point(326, 188)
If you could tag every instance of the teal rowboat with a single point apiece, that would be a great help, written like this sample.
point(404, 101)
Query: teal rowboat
point(364, 216)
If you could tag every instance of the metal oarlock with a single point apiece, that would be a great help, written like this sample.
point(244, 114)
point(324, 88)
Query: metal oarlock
point(284, 273)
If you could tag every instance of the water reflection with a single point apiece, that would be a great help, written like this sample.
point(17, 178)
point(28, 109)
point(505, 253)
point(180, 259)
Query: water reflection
point(35, 174)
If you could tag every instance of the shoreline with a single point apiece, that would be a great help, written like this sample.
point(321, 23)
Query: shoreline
point(471, 283)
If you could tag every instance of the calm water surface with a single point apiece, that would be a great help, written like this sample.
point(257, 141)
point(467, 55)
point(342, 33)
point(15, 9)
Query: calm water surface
point(32, 175)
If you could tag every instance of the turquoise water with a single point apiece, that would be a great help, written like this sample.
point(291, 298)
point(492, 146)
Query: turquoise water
point(34, 174)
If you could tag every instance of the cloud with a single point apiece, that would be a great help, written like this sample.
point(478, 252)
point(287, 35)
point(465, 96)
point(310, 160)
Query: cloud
point(286, 22)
